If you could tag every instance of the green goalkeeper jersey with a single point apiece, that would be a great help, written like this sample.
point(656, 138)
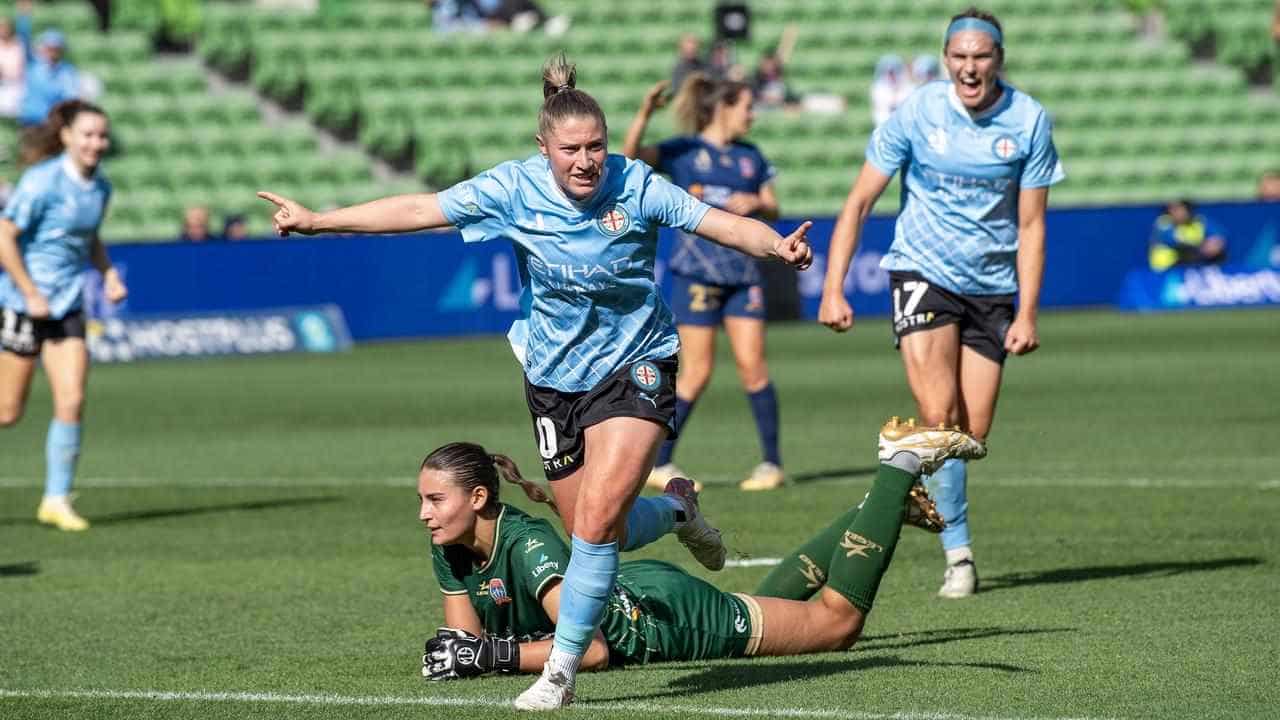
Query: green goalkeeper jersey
point(656, 610)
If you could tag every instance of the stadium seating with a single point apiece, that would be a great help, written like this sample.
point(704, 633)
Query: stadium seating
point(1136, 120)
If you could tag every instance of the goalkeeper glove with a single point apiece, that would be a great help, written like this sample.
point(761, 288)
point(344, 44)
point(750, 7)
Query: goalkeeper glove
point(454, 654)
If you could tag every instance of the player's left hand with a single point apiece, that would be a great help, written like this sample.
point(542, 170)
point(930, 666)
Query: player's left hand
point(113, 287)
point(453, 654)
point(794, 249)
point(1021, 337)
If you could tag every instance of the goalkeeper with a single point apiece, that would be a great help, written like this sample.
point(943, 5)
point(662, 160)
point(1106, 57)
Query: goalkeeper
point(500, 571)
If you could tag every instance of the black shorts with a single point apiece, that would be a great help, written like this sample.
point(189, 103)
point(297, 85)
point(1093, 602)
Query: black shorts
point(920, 305)
point(644, 389)
point(22, 335)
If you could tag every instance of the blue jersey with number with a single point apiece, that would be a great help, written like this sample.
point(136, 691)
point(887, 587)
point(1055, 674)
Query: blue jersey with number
point(589, 304)
point(713, 173)
point(958, 226)
point(58, 213)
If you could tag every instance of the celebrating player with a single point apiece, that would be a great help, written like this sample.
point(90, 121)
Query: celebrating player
point(597, 344)
point(501, 572)
point(977, 160)
point(711, 284)
point(47, 233)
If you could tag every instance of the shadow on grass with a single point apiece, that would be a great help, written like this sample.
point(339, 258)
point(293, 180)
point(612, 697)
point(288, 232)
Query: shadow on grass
point(30, 567)
point(832, 474)
point(131, 516)
point(941, 636)
point(163, 513)
point(1108, 572)
point(740, 675)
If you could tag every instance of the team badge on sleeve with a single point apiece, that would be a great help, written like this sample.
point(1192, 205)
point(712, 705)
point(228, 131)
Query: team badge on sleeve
point(1005, 147)
point(646, 375)
point(498, 591)
point(613, 221)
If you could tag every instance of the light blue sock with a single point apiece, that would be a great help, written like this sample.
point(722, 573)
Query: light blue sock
point(650, 518)
point(61, 451)
point(948, 489)
point(587, 583)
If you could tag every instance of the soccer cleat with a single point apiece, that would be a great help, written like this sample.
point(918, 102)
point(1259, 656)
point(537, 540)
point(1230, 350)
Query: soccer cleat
point(921, 510)
point(933, 445)
point(695, 533)
point(960, 580)
point(57, 511)
point(663, 474)
point(766, 476)
point(552, 691)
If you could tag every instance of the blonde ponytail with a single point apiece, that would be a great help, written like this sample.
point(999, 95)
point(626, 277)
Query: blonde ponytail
point(561, 98)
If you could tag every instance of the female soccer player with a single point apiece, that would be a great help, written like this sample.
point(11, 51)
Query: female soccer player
point(711, 284)
point(977, 159)
point(597, 344)
point(48, 231)
point(500, 571)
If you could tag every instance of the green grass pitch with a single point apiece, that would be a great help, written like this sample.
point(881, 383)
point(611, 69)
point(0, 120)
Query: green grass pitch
point(256, 551)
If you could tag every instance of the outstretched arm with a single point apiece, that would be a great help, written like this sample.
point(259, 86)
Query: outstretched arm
point(755, 238)
point(533, 655)
point(395, 214)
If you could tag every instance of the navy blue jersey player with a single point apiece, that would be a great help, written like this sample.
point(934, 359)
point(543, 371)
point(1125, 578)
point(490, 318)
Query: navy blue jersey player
point(48, 235)
point(713, 285)
point(597, 343)
point(977, 159)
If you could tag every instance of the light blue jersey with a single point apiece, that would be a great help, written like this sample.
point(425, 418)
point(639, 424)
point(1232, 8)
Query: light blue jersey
point(958, 226)
point(58, 213)
point(589, 304)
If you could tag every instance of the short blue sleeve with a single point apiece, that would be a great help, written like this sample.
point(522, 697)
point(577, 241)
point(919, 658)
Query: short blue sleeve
point(26, 205)
point(669, 150)
point(668, 205)
point(1042, 167)
point(479, 207)
point(767, 171)
point(890, 144)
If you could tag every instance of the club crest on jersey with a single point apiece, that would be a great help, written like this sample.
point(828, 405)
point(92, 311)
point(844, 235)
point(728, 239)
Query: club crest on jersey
point(702, 161)
point(747, 167)
point(498, 591)
point(1005, 147)
point(646, 375)
point(613, 221)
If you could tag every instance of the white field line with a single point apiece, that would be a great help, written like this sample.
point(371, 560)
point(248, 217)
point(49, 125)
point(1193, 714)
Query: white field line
point(752, 562)
point(407, 482)
point(655, 709)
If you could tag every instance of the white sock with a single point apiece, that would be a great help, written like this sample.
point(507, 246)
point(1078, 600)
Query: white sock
point(564, 663)
point(960, 554)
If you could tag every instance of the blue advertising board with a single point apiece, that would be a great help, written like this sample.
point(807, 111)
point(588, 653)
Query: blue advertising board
point(432, 284)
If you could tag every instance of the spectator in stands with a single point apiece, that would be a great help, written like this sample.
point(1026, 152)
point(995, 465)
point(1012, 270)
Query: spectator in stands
point(195, 225)
point(49, 78)
point(1181, 237)
point(1269, 186)
point(234, 228)
point(518, 15)
point(925, 69)
point(769, 85)
point(688, 60)
point(13, 63)
point(721, 64)
point(890, 87)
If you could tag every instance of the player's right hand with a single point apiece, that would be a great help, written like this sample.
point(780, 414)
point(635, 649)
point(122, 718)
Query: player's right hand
point(835, 312)
point(37, 305)
point(290, 215)
point(657, 97)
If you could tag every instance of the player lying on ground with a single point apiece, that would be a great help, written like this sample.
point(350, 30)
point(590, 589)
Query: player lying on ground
point(500, 571)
